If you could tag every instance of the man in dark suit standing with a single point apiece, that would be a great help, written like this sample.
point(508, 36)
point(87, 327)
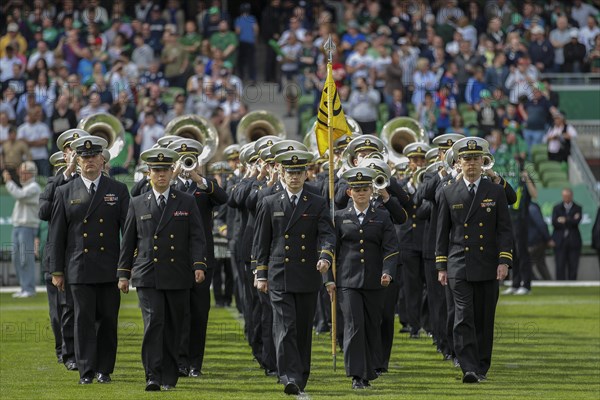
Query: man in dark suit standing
point(295, 246)
point(566, 217)
point(473, 253)
point(208, 195)
point(88, 216)
point(163, 253)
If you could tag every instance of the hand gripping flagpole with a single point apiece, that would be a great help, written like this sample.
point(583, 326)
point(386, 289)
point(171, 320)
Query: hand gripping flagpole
point(330, 47)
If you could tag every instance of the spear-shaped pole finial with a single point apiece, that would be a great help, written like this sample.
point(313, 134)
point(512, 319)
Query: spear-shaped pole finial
point(329, 47)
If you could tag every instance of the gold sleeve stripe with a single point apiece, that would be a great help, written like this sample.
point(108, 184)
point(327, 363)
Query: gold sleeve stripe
point(262, 268)
point(391, 255)
point(222, 228)
point(504, 182)
point(200, 262)
point(212, 187)
point(327, 252)
point(123, 269)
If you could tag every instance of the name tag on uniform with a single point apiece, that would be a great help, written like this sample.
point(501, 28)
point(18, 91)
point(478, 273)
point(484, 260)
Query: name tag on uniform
point(457, 206)
point(76, 201)
point(181, 214)
point(347, 221)
point(145, 217)
point(278, 214)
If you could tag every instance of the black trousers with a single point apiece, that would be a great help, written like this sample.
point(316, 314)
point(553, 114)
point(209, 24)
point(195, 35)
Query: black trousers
point(413, 277)
point(96, 318)
point(537, 255)
point(67, 320)
point(475, 310)
point(222, 282)
point(436, 300)
point(162, 312)
point(567, 261)
point(268, 359)
point(362, 330)
point(247, 61)
point(252, 314)
point(449, 327)
point(195, 322)
point(238, 281)
point(521, 268)
point(390, 300)
point(293, 315)
point(55, 313)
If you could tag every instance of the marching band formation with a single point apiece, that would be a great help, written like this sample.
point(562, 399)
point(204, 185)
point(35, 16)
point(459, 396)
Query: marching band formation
point(421, 230)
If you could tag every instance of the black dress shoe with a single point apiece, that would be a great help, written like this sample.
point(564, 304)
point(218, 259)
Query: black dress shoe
point(103, 378)
point(405, 329)
point(167, 387)
point(470, 377)
point(482, 377)
point(380, 371)
point(414, 335)
point(456, 363)
point(59, 360)
point(183, 371)
point(447, 357)
point(71, 366)
point(152, 386)
point(270, 372)
point(194, 373)
point(357, 384)
point(291, 388)
point(86, 380)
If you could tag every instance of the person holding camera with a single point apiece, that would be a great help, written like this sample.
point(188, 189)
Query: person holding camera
point(559, 138)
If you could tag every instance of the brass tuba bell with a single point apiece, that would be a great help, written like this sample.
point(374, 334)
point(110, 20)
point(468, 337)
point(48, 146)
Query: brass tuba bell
point(200, 129)
point(257, 124)
point(108, 127)
point(401, 131)
point(310, 137)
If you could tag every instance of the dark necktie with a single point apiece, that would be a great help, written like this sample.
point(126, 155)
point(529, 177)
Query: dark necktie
point(92, 189)
point(293, 200)
point(187, 185)
point(162, 203)
point(472, 189)
point(361, 217)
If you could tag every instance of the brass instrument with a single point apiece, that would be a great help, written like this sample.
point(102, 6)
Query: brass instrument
point(188, 162)
point(449, 160)
point(200, 129)
point(108, 127)
point(382, 179)
point(257, 124)
point(399, 132)
point(417, 177)
point(310, 137)
point(488, 161)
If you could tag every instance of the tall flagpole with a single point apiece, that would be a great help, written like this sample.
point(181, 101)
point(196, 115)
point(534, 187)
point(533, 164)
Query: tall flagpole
point(329, 47)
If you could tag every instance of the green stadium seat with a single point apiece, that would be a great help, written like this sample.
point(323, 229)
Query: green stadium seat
point(306, 100)
point(554, 176)
point(470, 118)
point(539, 157)
point(539, 148)
point(558, 184)
point(547, 165)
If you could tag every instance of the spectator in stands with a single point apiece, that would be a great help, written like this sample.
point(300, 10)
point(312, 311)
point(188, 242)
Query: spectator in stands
point(70, 50)
point(41, 52)
point(289, 58)
point(157, 27)
point(428, 113)
point(174, 59)
point(154, 76)
point(559, 37)
point(4, 125)
point(566, 217)
point(397, 106)
point(539, 240)
point(25, 224)
point(7, 63)
point(588, 33)
point(559, 138)
point(496, 74)
point(466, 61)
point(174, 15)
point(541, 51)
point(36, 134)
point(359, 64)
point(521, 79)
point(142, 9)
point(581, 11)
point(9, 103)
point(424, 81)
point(575, 53)
point(487, 116)
point(536, 115)
point(363, 105)
point(149, 132)
point(62, 119)
point(94, 106)
point(222, 123)
point(475, 85)
point(449, 13)
point(352, 36)
point(225, 41)
point(393, 77)
point(13, 152)
point(13, 38)
point(593, 57)
point(246, 28)
point(550, 94)
point(121, 163)
point(467, 31)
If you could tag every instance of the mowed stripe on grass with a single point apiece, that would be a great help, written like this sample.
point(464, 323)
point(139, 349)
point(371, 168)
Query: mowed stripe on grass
point(547, 346)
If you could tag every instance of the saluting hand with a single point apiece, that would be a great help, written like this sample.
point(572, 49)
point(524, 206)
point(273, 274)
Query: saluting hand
point(199, 276)
point(123, 285)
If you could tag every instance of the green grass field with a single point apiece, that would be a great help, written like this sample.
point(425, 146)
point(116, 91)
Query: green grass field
point(547, 346)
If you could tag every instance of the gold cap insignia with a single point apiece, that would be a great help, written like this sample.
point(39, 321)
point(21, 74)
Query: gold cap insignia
point(184, 147)
point(449, 142)
point(372, 165)
point(295, 159)
point(161, 156)
point(359, 176)
point(290, 147)
point(88, 144)
point(76, 135)
point(368, 142)
point(472, 144)
point(419, 150)
point(269, 143)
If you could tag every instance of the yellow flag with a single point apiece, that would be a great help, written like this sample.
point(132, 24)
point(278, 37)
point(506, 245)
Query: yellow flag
point(338, 119)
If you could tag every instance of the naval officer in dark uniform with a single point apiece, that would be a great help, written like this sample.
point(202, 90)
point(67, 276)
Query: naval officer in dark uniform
point(367, 251)
point(473, 253)
point(294, 248)
point(88, 216)
point(208, 195)
point(163, 253)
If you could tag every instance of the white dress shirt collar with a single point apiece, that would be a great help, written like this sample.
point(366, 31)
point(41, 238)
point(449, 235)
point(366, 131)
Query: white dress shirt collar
point(290, 194)
point(165, 193)
point(88, 182)
point(477, 182)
